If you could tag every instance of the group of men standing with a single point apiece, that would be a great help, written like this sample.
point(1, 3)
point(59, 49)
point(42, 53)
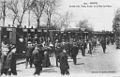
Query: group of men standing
point(39, 54)
point(8, 59)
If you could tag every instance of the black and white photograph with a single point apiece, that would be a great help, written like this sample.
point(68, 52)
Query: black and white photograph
point(59, 38)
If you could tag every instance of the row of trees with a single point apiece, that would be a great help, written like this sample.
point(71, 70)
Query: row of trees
point(16, 10)
point(37, 9)
point(116, 21)
point(85, 25)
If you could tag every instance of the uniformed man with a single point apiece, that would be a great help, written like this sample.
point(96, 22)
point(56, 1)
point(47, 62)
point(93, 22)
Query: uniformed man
point(64, 66)
point(74, 52)
point(29, 51)
point(38, 56)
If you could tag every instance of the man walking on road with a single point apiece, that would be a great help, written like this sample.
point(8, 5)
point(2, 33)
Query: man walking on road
point(38, 56)
point(103, 44)
point(74, 53)
point(57, 51)
point(64, 63)
point(83, 47)
point(11, 62)
point(29, 51)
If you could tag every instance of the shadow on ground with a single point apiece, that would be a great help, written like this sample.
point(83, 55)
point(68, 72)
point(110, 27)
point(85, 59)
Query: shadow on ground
point(80, 63)
point(49, 70)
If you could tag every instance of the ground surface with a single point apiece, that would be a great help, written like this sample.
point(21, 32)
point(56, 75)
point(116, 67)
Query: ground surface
point(98, 65)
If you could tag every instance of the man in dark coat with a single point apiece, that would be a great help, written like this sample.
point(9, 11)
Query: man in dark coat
point(46, 61)
point(90, 47)
point(83, 47)
point(57, 52)
point(103, 44)
point(74, 52)
point(21, 44)
point(29, 51)
point(68, 47)
point(112, 40)
point(64, 66)
point(10, 63)
point(38, 56)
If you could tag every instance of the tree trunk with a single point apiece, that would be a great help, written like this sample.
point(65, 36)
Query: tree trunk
point(14, 21)
point(21, 19)
point(49, 21)
point(20, 23)
point(29, 19)
point(38, 22)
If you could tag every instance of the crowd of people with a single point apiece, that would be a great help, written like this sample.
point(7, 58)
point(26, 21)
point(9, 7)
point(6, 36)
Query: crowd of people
point(38, 54)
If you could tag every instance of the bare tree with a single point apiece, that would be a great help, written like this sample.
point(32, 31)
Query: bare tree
point(30, 7)
point(18, 8)
point(65, 19)
point(39, 6)
point(3, 10)
point(62, 21)
point(56, 22)
point(84, 25)
point(116, 20)
point(1, 14)
point(50, 9)
point(25, 7)
point(13, 6)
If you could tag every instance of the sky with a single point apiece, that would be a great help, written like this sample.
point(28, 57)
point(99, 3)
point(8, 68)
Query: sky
point(100, 18)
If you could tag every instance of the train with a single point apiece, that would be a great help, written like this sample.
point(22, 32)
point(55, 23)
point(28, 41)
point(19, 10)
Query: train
point(20, 36)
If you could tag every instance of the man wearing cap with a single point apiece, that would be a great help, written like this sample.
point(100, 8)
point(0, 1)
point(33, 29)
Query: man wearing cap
point(74, 52)
point(29, 51)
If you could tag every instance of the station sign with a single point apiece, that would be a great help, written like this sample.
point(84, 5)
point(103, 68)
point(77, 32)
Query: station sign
point(39, 30)
point(85, 32)
point(32, 30)
point(83, 29)
point(69, 32)
point(45, 30)
point(9, 29)
point(25, 30)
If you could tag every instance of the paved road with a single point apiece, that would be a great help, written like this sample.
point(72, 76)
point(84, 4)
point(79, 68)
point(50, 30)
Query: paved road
point(99, 62)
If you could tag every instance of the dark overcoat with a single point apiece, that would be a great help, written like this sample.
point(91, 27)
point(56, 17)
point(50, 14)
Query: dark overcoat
point(10, 61)
point(38, 56)
point(103, 44)
point(63, 61)
point(74, 51)
point(29, 51)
